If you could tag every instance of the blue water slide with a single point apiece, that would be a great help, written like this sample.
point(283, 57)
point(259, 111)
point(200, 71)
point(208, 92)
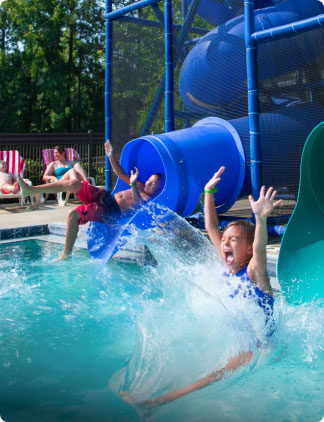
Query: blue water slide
point(213, 74)
point(188, 158)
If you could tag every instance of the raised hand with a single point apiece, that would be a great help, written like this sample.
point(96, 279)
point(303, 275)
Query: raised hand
point(133, 176)
point(109, 148)
point(215, 179)
point(264, 205)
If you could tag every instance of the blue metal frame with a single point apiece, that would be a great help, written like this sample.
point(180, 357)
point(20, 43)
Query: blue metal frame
point(108, 74)
point(157, 24)
point(251, 41)
point(288, 30)
point(178, 47)
point(168, 109)
point(253, 99)
point(130, 8)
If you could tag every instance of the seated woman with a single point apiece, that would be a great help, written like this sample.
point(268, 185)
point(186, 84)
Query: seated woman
point(61, 165)
point(8, 183)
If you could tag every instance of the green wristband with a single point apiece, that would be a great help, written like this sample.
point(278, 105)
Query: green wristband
point(132, 184)
point(211, 190)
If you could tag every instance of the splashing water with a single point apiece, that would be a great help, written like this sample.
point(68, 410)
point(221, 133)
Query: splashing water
point(73, 335)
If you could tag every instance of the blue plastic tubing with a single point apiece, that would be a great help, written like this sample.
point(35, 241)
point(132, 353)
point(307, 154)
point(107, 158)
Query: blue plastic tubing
point(214, 72)
point(188, 158)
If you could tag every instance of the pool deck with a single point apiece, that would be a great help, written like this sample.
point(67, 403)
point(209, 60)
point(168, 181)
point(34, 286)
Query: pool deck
point(14, 217)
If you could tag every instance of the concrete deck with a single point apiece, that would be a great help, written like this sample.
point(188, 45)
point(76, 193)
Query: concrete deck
point(15, 215)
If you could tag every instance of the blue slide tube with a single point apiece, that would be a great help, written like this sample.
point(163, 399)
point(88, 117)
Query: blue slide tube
point(213, 74)
point(188, 158)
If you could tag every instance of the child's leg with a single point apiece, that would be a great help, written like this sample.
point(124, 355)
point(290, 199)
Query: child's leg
point(80, 172)
point(72, 229)
point(69, 182)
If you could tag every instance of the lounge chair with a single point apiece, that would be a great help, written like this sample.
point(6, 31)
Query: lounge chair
point(16, 165)
point(72, 155)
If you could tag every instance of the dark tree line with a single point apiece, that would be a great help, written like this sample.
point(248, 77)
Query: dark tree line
point(52, 67)
point(51, 70)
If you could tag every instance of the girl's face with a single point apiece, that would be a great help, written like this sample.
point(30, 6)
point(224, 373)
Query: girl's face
point(3, 166)
point(59, 156)
point(235, 250)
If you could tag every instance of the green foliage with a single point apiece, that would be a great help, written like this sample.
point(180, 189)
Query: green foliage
point(51, 76)
point(52, 67)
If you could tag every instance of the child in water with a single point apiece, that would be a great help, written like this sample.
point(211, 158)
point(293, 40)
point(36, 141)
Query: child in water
point(8, 183)
point(242, 247)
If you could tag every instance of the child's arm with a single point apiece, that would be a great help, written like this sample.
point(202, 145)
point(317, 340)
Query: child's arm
point(234, 363)
point(210, 214)
point(132, 182)
point(257, 268)
point(116, 167)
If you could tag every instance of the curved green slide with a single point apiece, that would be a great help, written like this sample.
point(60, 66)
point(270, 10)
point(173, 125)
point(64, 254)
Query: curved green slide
point(300, 267)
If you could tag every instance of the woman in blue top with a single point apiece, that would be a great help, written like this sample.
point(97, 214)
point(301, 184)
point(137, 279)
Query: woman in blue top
point(60, 166)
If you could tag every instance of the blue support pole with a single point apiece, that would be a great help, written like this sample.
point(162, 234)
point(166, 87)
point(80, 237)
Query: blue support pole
point(168, 109)
point(253, 99)
point(179, 44)
point(131, 8)
point(108, 75)
point(288, 30)
point(184, 10)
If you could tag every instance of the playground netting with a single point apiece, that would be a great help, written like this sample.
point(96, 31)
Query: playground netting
point(290, 79)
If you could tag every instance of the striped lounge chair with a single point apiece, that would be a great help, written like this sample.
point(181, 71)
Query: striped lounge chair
point(15, 166)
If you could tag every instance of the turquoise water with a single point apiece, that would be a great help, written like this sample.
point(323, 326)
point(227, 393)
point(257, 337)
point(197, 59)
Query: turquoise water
point(73, 335)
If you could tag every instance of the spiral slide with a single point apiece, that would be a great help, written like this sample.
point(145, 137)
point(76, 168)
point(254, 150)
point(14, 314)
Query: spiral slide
point(187, 158)
point(301, 253)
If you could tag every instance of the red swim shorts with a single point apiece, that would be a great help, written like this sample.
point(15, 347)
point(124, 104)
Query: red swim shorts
point(99, 205)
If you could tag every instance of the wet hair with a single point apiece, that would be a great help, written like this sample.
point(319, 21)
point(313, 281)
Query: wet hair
point(160, 175)
point(247, 227)
point(60, 149)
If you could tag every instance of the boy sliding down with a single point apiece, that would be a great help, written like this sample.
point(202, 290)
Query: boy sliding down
point(242, 246)
point(99, 205)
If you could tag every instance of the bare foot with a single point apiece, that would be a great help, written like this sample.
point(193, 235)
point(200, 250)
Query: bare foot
point(16, 187)
point(63, 257)
point(24, 187)
point(140, 408)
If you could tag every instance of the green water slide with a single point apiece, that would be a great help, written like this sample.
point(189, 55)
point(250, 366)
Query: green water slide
point(301, 258)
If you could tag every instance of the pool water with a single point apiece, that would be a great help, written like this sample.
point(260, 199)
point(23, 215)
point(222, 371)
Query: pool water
point(75, 334)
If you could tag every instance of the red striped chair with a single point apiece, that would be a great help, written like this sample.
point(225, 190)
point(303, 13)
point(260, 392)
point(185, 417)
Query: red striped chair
point(48, 155)
point(72, 155)
point(15, 166)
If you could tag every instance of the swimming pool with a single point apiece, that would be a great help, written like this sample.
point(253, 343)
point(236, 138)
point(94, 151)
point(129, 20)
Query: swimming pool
point(75, 334)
